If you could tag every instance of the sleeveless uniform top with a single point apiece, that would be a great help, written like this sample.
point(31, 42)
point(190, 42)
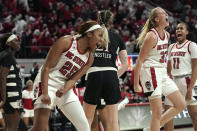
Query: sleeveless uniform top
point(13, 80)
point(106, 59)
point(69, 63)
point(180, 56)
point(27, 98)
point(157, 56)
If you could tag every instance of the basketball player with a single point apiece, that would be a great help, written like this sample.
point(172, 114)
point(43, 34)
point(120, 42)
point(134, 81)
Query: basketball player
point(102, 77)
point(182, 65)
point(27, 98)
point(151, 69)
point(68, 60)
point(10, 82)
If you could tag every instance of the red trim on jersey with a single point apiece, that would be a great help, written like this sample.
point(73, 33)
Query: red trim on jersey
point(172, 47)
point(88, 58)
point(167, 36)
point(39, 90)
point(78, 48)
point(182, 45)
point(156, 36)
point(75, 91)
point(153, 75)
point(70, 44)
point(141, 93)
point(188, 48)
point(187, 79)
point(160, 36)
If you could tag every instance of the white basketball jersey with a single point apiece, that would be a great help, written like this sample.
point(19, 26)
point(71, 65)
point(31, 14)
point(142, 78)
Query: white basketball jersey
point(27, 94)
point(180, 58)
point(157, 56)
point(27, 98)
point(69, 63)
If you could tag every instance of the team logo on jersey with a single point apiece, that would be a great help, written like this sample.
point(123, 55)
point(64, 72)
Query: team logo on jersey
point(148, 85)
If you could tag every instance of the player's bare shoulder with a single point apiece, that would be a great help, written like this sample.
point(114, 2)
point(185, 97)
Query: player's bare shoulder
point(168, 34)
point(151, 35)
point(151, 38)
point(64, 41)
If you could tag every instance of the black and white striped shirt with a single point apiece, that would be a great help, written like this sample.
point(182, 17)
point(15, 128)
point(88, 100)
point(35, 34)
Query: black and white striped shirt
point(13, 81)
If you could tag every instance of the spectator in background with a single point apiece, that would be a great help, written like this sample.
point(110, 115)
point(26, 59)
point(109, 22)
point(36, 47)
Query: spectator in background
point(130, 44)
point(20, 24)
point(63, 30)
point(125, 33)
point(26, 36)
point(24, 3)
point(53, 16)
point(27, 98)
point(23, 75)
point(47, 42)
point(34, 71)
point(135, 98)
point(36, 41)
point(11, 84)
point(125, 93)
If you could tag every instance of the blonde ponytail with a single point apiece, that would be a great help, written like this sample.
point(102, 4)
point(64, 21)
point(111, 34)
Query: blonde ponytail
point(105, 38)
point(150, 23)
point(105, 19)
point(143, 33)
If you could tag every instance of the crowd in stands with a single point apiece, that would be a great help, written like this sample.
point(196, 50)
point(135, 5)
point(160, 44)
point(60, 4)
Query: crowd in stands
point(182, 10)
point(40, 23)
